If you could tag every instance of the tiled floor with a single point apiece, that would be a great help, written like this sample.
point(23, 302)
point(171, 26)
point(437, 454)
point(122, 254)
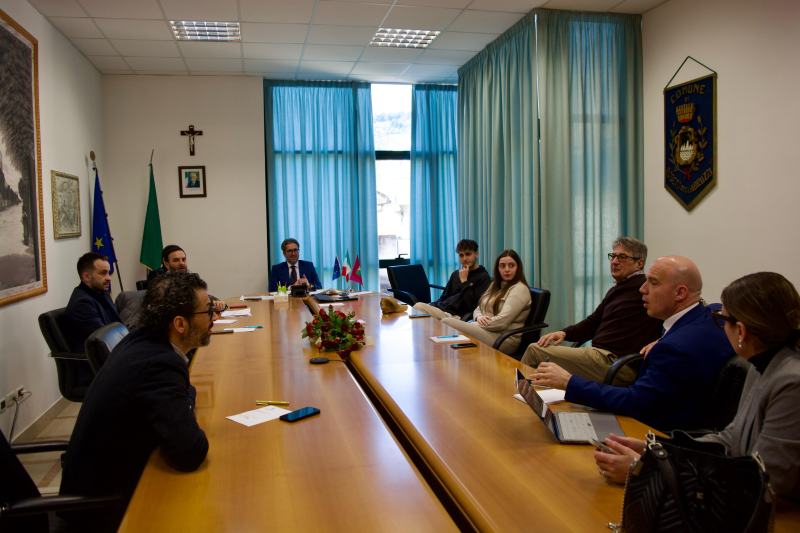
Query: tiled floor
point(45, 468)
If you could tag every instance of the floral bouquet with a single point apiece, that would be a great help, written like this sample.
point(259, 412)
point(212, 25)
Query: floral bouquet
point(335, 332)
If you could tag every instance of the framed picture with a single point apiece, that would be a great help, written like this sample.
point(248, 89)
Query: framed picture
point(22, 259)
point(66, 205)
point(192, 182)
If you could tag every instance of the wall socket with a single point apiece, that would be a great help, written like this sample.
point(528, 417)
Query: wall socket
point(8, 401)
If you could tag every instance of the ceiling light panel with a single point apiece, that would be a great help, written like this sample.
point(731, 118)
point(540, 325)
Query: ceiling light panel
point(189, 30)
point(396, 38)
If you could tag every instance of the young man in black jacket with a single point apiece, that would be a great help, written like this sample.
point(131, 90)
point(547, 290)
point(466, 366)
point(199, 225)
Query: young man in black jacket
point(141, 399)
point(465, 287)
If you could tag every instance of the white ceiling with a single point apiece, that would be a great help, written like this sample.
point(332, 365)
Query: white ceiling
point(296, 39)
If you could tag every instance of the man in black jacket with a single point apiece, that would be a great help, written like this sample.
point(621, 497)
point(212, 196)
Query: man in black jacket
point(465, 287)
point(141, 399)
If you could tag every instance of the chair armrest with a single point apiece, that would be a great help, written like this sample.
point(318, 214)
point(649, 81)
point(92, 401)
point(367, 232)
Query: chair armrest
point(40, 446)
point(524, 329)
point(436, 286)
point(75, 356)
point(467, 317)
point(618, 365)
point(405, 295)
point(56, 503)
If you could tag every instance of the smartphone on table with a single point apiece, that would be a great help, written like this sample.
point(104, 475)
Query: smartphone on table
point(463, 345)
point(300, 414)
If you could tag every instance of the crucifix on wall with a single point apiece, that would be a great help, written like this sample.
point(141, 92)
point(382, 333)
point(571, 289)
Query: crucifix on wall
point(191, 134)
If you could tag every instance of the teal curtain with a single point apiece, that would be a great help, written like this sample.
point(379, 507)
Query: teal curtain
point(558, 194)
point(321, 174)
point(433, 180)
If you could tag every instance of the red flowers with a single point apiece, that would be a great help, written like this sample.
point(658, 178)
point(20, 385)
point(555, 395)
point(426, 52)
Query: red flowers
point(336, 331)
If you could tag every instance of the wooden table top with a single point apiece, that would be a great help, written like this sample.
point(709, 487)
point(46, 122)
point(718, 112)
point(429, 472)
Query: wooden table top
point(339, 471)
point(493, 458)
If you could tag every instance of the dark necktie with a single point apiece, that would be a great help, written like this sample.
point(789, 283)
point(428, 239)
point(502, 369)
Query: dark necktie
point(293, 276)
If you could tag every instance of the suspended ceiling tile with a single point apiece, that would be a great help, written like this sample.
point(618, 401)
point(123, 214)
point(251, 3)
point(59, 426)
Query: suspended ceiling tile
point(146, 30)
point(348, 14)
point(420, 18)
point(211, 50)
point(289, 11)
point(163, 72)
point(156, 63)
point(368, 1)
point(95, 47)
point(386, 69)
point(255, 32)
point(272, 51)
point(271, 65)
point(445, 57)
point(636, 6)
point(58, 8)
point(391, 55)
point(123, 9)
point(76, 28)
point(277, 75)
point(485, 22)
point(331, 67)
point(207, 10)
point(332, 53)
point(215, 73)
point(453, 40)
point(343, 35)
point(104, 63)
point(214, 65)
point(455, 4)
point(441, 71)
point(509, 6)
point(118, 72)
point(582, 5)
point(146, 48)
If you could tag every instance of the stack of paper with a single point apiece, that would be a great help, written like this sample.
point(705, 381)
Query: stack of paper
point(239, 330)
point(447, 339)
point(548, 396)
point(236, 312)
point(223, 321)
point(257, 416)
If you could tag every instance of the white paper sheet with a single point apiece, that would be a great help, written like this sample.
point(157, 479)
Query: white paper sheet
point(240, 330)
point(223, 321)
point(549, 396)
point(358, 293)
point(257, 416)
point(324, 305)
point(236, 312)
point(448, 339)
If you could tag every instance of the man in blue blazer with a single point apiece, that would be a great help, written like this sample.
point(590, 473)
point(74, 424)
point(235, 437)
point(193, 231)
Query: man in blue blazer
point(675, 376)
point(293, 271)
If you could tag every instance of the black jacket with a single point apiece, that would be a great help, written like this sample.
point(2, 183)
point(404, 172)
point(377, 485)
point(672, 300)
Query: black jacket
point(461, 298)
point(87, 311)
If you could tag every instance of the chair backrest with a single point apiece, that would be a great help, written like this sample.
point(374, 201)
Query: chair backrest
point(52, 324)
point(721, 405)
point(129, 305)
point(100, 344)
point(16, 485)
point(540, 302)
point(410, 278)
point(141, 285)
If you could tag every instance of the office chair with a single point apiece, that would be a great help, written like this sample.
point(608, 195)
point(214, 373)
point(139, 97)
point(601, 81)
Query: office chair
point(534, 324)
point(22, 507)
point(100, 344)
point(141, 285)
point(68, 362)
point(410, 284)
point(128, 304)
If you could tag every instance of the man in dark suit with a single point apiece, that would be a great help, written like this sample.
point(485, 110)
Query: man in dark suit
point(141, 399)
point(293, 271)
point(173, 259)
point(674, 378)
point(89, 308)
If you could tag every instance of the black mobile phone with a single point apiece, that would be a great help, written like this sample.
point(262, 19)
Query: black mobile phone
point(418, 316)
point(463, 345)
point(602, 447)
point(251, 298)
point(300, 414)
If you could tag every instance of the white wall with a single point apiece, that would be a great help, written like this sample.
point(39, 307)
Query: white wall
point(224, 234)
point(749, 222)
point(69, 110)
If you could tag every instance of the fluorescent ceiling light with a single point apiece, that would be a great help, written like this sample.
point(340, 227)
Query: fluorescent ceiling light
point(395, 38)
point(189, 30)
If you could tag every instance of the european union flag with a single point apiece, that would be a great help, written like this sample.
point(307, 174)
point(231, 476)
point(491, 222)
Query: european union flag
point(101, 237)
point(337, 270)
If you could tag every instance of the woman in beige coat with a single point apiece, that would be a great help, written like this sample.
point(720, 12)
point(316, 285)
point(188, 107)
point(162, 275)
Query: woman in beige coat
point(505, 305)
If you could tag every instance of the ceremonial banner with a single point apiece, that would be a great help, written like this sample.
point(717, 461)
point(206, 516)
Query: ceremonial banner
point(690, 139)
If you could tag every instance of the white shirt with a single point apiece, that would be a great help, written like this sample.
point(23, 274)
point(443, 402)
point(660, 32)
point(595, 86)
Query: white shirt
point(668, 323)
point(179, 352)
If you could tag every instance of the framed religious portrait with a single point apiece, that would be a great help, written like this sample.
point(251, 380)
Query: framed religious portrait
point(192, 182)
point(66, 205)
point(22, 259)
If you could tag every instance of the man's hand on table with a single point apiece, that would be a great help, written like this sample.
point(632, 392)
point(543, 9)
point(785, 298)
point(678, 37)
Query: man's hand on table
point(552, 375)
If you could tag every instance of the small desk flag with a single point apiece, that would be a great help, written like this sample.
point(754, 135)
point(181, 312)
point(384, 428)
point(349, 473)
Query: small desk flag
point(101, 237)
point(346, 266)
point(337, 271)
point(355, 274)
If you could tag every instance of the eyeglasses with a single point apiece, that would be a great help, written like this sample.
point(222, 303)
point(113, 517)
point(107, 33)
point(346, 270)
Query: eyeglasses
point(622, 257)
point(720, 319)
point(210, 312)
point(293, 251)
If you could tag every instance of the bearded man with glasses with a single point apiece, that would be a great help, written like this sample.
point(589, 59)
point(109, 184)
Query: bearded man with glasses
point(620, 325)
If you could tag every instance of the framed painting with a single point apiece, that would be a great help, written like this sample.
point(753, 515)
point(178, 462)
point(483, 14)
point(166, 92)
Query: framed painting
point(22, 259)
point(66, 205)
point(192, 182)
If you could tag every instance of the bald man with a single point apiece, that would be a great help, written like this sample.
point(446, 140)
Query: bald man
point(673, 382)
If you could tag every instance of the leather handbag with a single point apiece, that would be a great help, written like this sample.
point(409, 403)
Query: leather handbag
point(682, 485)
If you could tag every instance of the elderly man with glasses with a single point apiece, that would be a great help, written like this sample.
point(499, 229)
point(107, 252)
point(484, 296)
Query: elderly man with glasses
point(293, 271)
point(619, 326)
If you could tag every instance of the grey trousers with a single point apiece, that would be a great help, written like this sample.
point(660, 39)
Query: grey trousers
point(435, 312)
point(590, 363)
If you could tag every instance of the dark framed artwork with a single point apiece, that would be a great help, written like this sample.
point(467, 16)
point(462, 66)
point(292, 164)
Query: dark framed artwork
point(66, 205)
point(192, 181)
point(23, 272)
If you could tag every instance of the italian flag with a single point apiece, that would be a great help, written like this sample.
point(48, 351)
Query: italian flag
point(355, 275)
point(346, 266)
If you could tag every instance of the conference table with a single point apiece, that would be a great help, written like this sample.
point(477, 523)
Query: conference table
point(412, 436)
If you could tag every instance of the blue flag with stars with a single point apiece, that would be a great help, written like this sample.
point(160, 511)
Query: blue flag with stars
point(337, 270)
point(101, 237)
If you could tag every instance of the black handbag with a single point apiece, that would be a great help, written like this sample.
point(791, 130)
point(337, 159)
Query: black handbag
point(682, 485)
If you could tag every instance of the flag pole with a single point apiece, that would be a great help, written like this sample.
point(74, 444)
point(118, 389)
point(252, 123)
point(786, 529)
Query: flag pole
point(116, 264)
point(147, 274)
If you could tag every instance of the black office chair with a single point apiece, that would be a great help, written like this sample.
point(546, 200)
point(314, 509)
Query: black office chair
point(532, 330)
point(68, 362)
point(100, 343)
point(410, 284)
point(22, 507)
point(141, 285)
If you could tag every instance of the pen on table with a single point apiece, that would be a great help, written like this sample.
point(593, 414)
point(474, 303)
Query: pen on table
point(547, 360)
point(448, 336)
point(237, 307)
point(254, 327)
point(271, 402)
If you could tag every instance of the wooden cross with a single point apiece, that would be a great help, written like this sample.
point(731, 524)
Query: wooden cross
point(191, 133)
